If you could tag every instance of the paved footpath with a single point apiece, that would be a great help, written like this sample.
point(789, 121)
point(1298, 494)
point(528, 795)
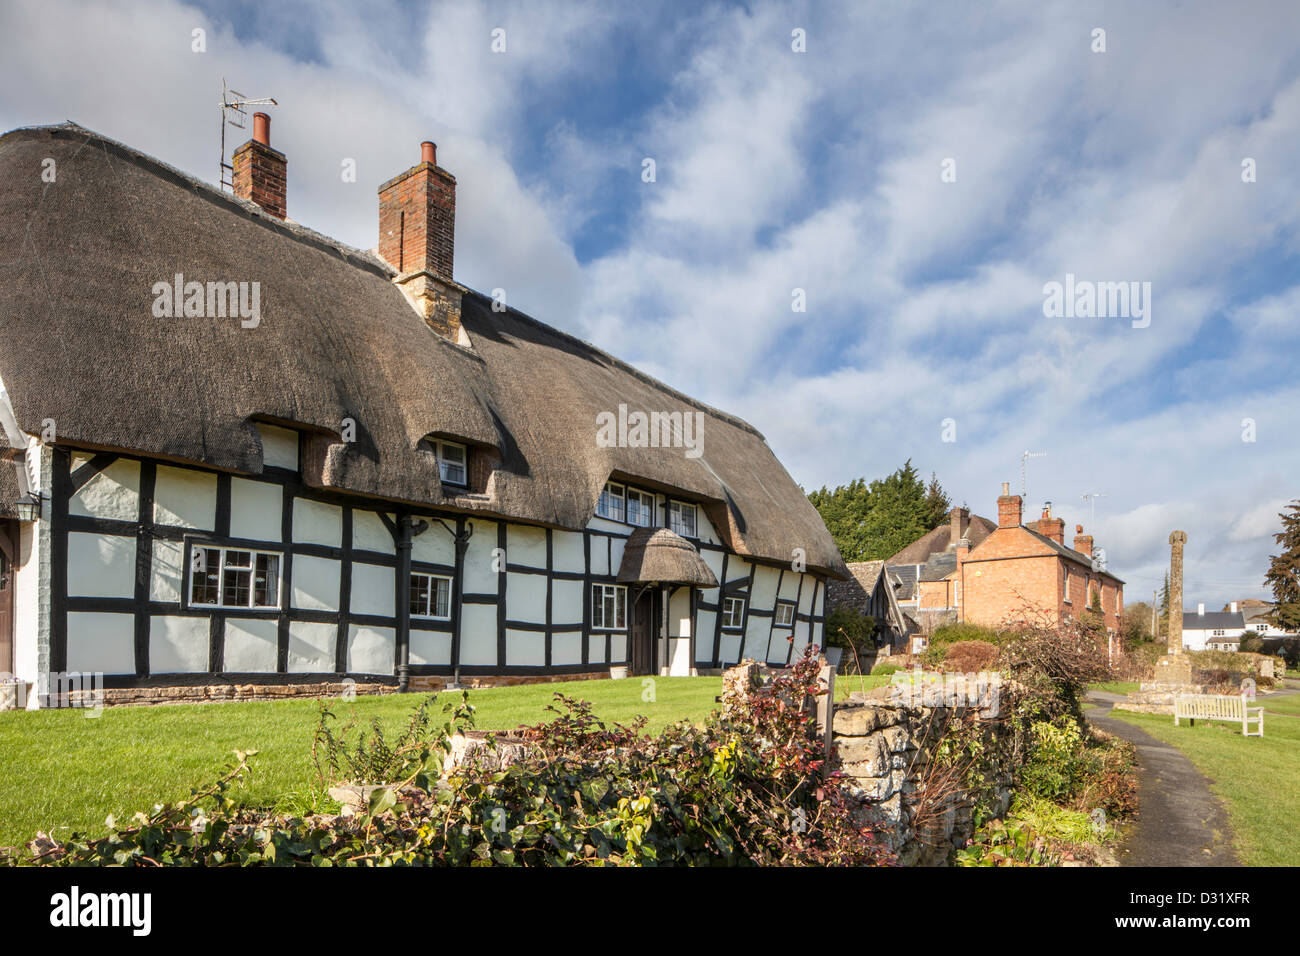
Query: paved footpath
point(1179, 821)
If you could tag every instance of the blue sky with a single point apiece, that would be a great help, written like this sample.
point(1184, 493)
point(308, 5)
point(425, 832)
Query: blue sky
point(817, 170)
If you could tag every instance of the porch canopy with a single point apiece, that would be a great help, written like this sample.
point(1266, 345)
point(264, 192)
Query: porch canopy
point(659, 556)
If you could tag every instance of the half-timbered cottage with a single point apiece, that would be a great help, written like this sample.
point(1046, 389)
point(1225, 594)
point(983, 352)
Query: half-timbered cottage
point(246, 459)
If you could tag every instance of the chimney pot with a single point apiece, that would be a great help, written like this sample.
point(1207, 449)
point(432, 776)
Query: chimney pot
point(1234, 607)
point(429, 152)
point(1200, 609)
point(1078, 529)
point(259, 170)
point(1006, 487)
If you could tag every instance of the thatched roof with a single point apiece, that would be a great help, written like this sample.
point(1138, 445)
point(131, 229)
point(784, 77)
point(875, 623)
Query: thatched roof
point(659, 556)
point(11, 459)
point(79, 257)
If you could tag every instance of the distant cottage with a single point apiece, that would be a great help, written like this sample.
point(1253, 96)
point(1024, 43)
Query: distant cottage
point(384, 478)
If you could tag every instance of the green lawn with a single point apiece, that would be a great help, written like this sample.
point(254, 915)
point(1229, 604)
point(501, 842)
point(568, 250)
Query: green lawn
point(59, 768)
point(1257, 778)
point(1115, 686)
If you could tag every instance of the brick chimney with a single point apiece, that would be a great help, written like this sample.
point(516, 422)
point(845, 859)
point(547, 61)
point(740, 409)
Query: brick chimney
point(260, 170)
point(958, 522)
point(1082, 542)
point(417, 237)
point(1050, 527)
point(1008, 508)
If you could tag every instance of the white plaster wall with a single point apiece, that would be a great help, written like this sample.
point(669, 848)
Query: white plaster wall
point(526, 546)
point(311, 647)
point(279, 447)
point(704, 529)
point(604, 524)
point(820, 602)
point(526, 598)
point(616, 547)
point(255, 509)
point(566, 647)
point(567, 551)
point(167, 574)
point(596, 649)
point(317, 522)
point(101, 565)
point(478, 634)
point(315, 583)
point(679, 657)
point(372, 589)
point(435, 545)
point(185, 498)
point(525, 648)
point(600, 549)
point(730, 648)
point(178, 645)
point(28, 595)
point(371, 649)
point(800, 640)
point(567, 600)
point(714, 560)
point(430, 647)
point(101, 643)
point(479, 576)
point(806, 597)
point(704, 624)
point(679, 613)
point(763, 593)
point(250, 645)
point(790, 586)
point(618, 649)
point(369, 533)
point(113, 493)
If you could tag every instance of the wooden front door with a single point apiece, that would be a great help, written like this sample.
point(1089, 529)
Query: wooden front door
point(8, 551)
point(642, 633)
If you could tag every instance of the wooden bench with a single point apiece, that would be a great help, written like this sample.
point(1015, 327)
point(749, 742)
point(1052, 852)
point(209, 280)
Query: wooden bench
point(1220, 707)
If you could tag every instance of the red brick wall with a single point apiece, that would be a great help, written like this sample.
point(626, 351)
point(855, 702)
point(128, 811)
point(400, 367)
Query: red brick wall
point(417, 220)
point(260, 175)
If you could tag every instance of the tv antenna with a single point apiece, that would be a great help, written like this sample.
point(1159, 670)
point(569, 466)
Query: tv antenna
point(234, 114)
point(1091, 497)
point(1024, 460)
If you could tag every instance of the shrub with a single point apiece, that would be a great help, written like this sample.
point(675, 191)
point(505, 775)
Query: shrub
point(885, 668)
point(956, 633)
point(970, 656)
point(855, 633)
point(1055, 768)
point(749, 787)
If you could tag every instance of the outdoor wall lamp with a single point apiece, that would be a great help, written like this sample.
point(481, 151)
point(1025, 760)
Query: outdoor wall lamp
point(29, 508)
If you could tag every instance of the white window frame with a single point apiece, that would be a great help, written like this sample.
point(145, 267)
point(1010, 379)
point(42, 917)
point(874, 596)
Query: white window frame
point(223, 550)
point(1067, 587)
point(784, 606)
point(598, 606)
point(440, 449)
point(646, 499)
point(675, 523)
point(431, 600)
point(608, 494)
point(733, 609)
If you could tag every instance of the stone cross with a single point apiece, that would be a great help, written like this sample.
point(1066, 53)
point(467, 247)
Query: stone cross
point(1175, 636)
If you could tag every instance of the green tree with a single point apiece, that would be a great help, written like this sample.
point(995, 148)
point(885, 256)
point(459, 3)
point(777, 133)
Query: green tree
point(1284, 571)
point(871, 521)
point(1137, 624)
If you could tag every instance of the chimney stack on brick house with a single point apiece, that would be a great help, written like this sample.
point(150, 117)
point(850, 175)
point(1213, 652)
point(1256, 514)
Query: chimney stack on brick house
point(1082, 542)
point(958, 522)
point(1050, 527)
point(259, 174)
point(1008, 508)
point(417, 233)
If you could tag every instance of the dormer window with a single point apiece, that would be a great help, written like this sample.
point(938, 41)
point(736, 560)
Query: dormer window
point(681, 518)
point(452, 462)
point(640, 508)
point(613, 501)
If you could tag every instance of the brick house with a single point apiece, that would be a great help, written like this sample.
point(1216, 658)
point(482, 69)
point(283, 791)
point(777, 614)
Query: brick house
point(1021, 567)
point(973, 570)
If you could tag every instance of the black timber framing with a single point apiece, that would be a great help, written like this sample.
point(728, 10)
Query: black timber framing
point(146, 532)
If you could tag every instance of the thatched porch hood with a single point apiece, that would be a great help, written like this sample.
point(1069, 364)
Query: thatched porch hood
point(337, 340)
